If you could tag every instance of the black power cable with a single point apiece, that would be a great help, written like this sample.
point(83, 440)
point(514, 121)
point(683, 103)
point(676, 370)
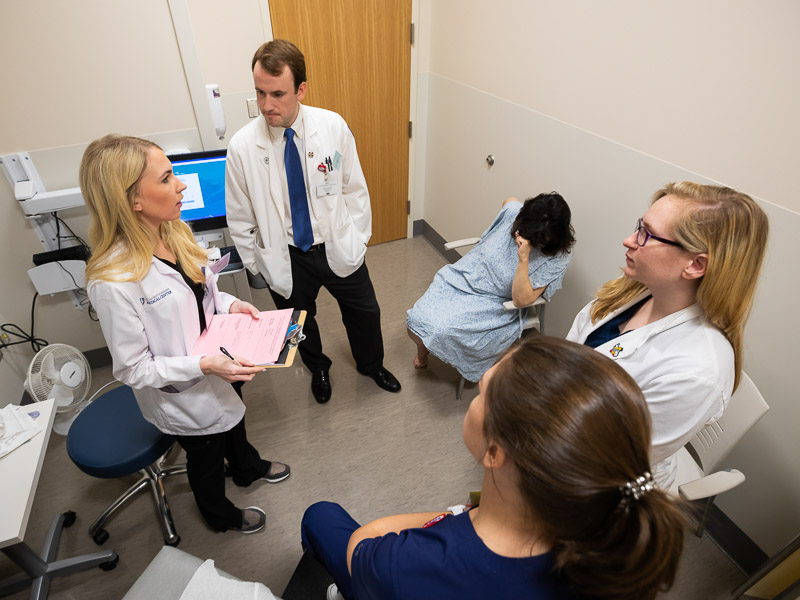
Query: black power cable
point(12, 329)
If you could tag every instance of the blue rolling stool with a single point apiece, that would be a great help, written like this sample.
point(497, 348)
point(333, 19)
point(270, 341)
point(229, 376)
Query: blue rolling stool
point(111, 439)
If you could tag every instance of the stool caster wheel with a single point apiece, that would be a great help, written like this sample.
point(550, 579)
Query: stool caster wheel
point(175, 543)
point(69, 518)
point(108, 566)
point(101, 537)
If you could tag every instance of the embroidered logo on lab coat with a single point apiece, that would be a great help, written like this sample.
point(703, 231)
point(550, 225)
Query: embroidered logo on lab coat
point(616, 350)
point(159, 296)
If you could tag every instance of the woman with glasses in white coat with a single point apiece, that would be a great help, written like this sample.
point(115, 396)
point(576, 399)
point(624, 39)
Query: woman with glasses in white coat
point(675, 318)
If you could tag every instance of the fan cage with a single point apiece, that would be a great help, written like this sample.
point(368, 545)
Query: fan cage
point(40, 384)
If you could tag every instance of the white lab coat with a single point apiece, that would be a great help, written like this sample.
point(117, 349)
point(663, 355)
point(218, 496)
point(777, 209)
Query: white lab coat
point(683, 365)
point(254, 198)
point(150, 327)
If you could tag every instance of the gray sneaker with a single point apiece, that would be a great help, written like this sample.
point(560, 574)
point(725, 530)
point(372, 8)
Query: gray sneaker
point(277, 472)
point(333, 593)
point(253, 519)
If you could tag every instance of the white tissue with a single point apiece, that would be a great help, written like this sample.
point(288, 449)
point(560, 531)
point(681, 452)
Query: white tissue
point(208, 584)
point(16, 427)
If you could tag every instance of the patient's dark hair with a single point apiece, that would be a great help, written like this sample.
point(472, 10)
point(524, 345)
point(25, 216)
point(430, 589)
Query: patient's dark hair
point(577, 428)
point(544, 221)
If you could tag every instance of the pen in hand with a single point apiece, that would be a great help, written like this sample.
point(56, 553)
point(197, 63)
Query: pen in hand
point(229, 355)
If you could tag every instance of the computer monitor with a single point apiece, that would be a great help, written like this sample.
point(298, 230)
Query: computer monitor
point(204, 197)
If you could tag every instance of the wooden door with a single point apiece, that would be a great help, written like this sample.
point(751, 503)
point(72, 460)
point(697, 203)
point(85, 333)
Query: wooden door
point(358, 63)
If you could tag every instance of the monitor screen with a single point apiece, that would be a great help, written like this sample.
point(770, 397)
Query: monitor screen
point(204, 197)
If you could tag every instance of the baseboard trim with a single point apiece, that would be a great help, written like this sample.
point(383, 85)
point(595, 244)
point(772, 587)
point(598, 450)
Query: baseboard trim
point(421, 228)
point(732, 541)
point(98, 358)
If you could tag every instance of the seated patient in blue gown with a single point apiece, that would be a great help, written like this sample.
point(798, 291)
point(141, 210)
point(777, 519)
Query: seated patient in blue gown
point(568, 508)
point(522, 256)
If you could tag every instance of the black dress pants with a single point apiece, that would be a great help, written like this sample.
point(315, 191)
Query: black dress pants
point(205, 466)
point(358, 304)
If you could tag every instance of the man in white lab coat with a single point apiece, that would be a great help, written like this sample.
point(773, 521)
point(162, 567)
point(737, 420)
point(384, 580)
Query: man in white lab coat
point(298, 211)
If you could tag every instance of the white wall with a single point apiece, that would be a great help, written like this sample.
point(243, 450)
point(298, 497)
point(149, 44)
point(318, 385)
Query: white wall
point(606, 102)
point(75, 71)
point(710, 85)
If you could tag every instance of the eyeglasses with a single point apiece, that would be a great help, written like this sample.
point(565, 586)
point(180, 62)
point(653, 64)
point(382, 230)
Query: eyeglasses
point(643, 234)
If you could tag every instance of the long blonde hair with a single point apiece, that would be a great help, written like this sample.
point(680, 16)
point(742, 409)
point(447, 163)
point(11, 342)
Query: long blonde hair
point(732, 229)
point(122, 245)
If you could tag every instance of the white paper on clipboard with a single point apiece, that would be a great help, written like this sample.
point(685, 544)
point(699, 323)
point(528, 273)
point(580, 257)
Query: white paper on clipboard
point(258, 340)
point(216, 267)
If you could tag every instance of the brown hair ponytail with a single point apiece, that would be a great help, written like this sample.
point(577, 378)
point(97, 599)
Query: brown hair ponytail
point(577, 429)
point(633, 555)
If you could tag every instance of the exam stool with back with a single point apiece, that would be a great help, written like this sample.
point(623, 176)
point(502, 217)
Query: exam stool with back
point(111, 439)
point(696, 478)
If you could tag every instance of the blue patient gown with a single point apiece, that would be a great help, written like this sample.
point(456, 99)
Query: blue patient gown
point(461, 318)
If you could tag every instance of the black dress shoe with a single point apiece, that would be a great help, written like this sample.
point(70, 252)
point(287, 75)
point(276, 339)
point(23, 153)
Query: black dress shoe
point(384, 379)
point(321, 385)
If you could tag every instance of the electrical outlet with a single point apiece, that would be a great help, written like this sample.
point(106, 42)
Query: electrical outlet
point(252, 108)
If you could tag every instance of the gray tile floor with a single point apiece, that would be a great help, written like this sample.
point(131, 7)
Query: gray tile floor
point(375, 453)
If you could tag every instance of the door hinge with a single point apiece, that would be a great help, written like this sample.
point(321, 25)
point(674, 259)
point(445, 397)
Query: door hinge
point(412, 34)
point(408, 207)
point(410, 129)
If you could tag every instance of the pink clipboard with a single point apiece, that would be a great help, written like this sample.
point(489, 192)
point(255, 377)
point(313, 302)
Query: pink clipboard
point(257, 340)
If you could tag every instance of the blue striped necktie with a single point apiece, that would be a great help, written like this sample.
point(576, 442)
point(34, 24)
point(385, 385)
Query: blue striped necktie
point(298, 200)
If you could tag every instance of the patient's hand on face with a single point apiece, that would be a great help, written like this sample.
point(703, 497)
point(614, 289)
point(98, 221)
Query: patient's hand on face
point(523, 247)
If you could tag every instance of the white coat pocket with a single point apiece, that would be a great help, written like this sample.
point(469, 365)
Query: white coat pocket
point(193, 408)
point(349, 243)
point(263, 255)
point(258, 240)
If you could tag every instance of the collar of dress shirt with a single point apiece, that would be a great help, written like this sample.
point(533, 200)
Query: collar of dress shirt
point(276, 133)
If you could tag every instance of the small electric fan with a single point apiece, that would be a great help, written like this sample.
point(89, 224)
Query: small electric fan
point(61, 372)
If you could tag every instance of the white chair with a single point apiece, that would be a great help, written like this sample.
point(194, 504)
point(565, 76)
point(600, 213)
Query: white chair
point(535, 318)
point(696, 478)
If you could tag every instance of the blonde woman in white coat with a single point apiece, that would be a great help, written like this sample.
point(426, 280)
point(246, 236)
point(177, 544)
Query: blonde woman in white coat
point(153, 296)
point(675, 319)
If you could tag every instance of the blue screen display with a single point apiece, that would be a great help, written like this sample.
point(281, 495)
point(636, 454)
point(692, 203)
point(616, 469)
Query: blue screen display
point(204, 196)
